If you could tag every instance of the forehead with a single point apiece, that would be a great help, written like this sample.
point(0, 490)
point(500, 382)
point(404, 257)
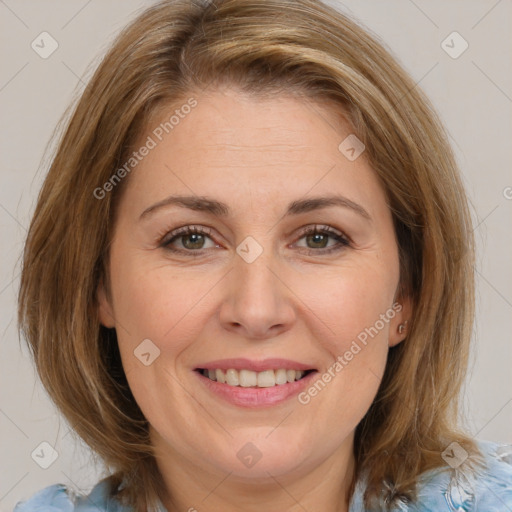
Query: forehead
point(269, 126)
point(232, 144)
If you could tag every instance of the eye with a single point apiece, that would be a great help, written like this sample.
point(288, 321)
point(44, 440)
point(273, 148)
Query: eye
point(317, 239)
point(192, 238)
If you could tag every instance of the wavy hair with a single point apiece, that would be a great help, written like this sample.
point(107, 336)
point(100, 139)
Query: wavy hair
point(263, 47)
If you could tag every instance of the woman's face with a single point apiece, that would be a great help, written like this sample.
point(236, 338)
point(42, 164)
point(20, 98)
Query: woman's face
point(251, 295)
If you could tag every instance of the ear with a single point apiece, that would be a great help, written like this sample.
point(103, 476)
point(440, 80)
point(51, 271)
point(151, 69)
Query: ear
point(105, 310)
point(403, 315)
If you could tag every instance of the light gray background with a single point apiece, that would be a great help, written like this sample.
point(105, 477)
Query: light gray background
point(472, 93)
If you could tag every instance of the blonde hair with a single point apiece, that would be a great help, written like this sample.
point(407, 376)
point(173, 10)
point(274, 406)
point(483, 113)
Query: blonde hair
point(263, 47)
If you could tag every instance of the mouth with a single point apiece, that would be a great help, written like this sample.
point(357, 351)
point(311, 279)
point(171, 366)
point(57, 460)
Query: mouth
point(251, 383)
point(251, 379)
point(254, 384)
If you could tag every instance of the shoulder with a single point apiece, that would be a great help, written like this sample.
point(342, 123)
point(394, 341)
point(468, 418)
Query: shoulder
point(59, 498)
point(50, 498)
point(466, 483)
point(459, 487)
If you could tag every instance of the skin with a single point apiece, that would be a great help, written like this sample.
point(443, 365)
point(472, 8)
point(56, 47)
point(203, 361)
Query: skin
point(257, 156)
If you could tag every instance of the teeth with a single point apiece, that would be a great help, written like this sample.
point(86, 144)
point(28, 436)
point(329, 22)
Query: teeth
point(266, 379)
point(232, 378)
point(281, 377)
point(248, 378)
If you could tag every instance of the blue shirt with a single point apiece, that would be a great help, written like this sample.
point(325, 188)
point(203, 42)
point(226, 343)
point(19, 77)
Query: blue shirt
point(445, 489)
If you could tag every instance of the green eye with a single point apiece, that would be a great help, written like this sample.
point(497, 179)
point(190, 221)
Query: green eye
point(196, 241)
point(192, 239)
point(319, 236)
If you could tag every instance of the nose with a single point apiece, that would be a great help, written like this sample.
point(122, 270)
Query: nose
point(258, 303)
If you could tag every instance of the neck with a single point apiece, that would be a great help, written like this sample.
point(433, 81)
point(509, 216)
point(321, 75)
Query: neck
point(194, 487)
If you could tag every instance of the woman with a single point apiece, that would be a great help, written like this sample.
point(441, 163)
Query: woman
point(248, 281)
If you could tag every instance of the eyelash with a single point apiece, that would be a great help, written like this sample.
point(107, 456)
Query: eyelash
point(343, 241)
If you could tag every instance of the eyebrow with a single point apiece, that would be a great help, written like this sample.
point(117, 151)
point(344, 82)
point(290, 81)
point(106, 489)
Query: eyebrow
point(220, 209)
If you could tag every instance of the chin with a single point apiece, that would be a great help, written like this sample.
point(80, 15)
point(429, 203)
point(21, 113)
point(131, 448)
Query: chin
point(260, 457)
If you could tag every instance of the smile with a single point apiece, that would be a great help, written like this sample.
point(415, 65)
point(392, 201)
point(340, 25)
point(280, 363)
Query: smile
point(248, 378)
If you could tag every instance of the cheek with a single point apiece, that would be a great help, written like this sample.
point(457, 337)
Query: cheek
point(352, 312)
point(349, 302)
point(160, 313)
point(153, 303)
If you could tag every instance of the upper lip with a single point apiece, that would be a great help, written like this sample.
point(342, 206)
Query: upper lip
point(256, 366)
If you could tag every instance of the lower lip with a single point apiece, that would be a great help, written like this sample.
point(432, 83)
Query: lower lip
point(256, 397)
